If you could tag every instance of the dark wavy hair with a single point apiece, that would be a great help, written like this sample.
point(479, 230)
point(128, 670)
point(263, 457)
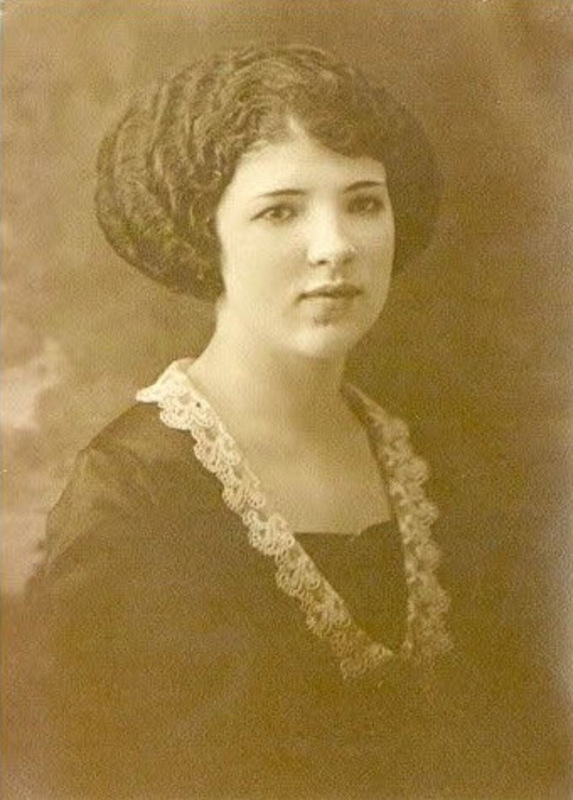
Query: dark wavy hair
point(163, 168)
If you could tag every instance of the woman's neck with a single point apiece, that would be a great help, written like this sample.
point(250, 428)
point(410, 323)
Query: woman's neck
point(278, 384)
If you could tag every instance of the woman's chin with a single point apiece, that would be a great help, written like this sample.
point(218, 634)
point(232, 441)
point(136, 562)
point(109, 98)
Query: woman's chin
point(327, 342)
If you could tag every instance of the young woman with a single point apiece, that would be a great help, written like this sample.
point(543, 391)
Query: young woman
point(239, 594)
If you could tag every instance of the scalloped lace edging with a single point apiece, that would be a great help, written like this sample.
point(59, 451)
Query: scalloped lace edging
point(182, 407)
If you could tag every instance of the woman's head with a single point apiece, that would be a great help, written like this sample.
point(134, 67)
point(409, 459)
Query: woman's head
point(164, 169)
point(306, 238)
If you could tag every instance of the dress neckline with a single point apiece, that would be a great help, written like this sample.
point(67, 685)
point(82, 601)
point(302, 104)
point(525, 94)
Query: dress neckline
point(183, 407)
point(375, 528)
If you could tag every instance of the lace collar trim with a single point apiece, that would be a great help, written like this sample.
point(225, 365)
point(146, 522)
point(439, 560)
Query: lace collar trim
point(182, 407)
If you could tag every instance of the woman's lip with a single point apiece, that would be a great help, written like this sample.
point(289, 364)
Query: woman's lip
point(336, 291)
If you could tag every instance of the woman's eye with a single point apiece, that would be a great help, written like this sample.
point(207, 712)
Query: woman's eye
point(366, 205)
point(277, 214)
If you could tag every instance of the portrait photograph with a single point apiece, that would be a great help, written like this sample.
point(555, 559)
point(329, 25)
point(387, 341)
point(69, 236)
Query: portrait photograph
point(287, 400)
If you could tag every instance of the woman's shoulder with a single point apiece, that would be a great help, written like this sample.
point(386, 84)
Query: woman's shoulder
point(139, 433)
point(132, 478)
point(138, 454)
point(139, 451)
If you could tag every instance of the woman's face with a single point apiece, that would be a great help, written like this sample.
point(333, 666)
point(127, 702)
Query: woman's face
point(307, 244)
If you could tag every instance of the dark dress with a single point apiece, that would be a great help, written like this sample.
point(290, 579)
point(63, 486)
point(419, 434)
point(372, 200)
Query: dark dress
point(177, 663)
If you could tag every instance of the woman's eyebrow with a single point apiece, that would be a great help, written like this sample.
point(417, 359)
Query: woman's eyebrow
point(351, 188)
point(277, 192)
point(364, 185)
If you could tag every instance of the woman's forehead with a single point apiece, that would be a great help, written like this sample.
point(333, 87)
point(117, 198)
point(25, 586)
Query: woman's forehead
point(301, 160)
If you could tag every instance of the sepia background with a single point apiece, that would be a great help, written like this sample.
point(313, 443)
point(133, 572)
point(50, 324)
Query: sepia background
point(473, 346)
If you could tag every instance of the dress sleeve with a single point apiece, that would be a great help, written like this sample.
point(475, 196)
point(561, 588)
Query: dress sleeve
point(137, 674)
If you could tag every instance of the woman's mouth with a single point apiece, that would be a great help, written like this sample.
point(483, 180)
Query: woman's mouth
point(332, 291)
point(330, 302)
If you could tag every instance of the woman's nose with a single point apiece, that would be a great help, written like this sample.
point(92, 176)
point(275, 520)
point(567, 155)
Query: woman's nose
point(327, 243)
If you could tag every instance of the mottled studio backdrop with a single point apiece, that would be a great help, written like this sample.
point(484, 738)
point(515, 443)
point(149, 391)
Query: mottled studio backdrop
point(473, 346)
